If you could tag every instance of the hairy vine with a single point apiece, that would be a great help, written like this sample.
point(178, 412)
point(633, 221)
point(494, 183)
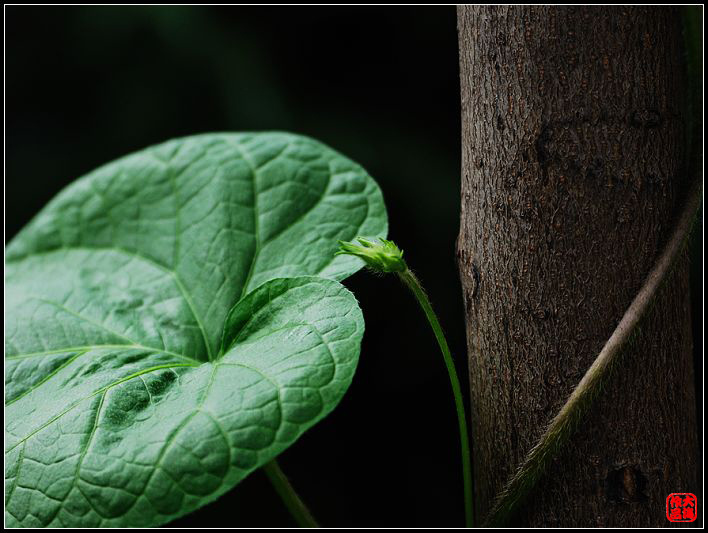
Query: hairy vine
point(569, 417)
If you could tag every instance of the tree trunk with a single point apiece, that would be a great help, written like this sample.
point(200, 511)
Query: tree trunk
point(574, 166)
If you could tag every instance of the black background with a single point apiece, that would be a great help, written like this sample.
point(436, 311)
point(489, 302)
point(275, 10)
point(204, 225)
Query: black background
point(87, 85)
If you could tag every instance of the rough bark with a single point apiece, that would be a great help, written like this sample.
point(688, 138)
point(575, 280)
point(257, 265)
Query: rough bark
point(573, 163)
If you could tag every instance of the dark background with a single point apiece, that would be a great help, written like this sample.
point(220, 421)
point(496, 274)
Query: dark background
point(89, 84)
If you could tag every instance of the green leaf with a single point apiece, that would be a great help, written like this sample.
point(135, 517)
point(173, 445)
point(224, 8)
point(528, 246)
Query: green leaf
point(165, 331)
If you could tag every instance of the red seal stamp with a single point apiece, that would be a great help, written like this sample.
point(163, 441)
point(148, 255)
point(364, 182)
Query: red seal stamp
point(681, 507)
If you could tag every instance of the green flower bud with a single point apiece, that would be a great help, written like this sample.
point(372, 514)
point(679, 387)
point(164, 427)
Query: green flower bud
point(378, 254)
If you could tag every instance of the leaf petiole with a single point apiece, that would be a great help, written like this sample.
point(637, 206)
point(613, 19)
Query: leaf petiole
point(285, 490)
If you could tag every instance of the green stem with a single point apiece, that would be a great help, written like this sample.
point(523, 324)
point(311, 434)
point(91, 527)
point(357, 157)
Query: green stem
point(414, 285)
point(285, 490)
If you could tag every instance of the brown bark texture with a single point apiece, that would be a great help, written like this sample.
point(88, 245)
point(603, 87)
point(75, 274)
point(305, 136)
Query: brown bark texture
point(573, 169)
